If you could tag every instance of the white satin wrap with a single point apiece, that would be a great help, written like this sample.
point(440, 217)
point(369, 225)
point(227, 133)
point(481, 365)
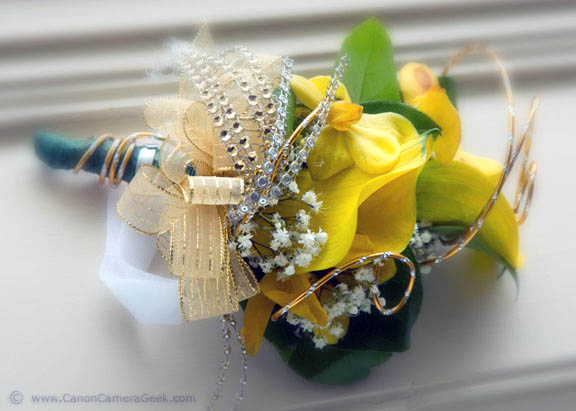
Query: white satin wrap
point(150, 298)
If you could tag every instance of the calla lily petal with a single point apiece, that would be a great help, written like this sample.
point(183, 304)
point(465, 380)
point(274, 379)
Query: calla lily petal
point(306, 91)
point(361, 246)
point(284, 291)
point(322, 83)
point(490, 168)
point(392, 123)
point(347, 191)
point(436, 104)
point(330, 154)
point(389, 215)
point(414, 79)
point(256, 316)
point(375, 149)
point(454, 194)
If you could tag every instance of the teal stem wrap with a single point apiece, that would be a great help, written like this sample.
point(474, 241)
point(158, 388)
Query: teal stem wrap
point(64, 153)
point(61, 152)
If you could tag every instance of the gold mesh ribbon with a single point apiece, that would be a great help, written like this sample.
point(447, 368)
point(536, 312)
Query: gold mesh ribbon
point(229, 96)
point(188, 214)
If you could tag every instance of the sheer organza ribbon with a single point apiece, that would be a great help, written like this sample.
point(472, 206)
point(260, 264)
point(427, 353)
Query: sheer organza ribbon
point(188, 213)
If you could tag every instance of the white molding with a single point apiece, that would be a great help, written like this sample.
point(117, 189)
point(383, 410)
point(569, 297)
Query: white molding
point(89, 58)
point(505, 390)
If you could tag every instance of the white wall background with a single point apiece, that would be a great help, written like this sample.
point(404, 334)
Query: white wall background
point(80, 68)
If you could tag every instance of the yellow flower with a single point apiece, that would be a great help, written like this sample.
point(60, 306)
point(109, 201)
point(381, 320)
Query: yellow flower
point(274, 291)
point(454, 189)
point(419, 87)
point(414, 79)
point(364, 168)
point(371, 142)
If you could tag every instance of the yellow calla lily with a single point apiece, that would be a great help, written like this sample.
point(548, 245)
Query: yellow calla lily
point(490, 168)
point(274, 291)
point(455, 188)
point(415, 79)
point(380, 210)
point(369, 141)
point(419, 87)
point(365, 173)
point(436, 104)
point(256, 316)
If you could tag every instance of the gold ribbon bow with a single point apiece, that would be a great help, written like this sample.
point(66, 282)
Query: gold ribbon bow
point(188, 214)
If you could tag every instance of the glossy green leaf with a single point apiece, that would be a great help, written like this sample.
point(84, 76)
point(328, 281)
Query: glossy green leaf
point(453, 194)
point(371, 74)
point(371, 338)
point(448, 84)
point(421, 121)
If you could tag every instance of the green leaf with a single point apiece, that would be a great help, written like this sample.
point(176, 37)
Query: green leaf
point(453, 194)
point(448, 84)
point(371, 74)
point(290, 113)
point(371, 338)
point(421, 121)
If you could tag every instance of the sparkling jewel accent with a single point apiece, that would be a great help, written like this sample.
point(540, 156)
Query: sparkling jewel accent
point(203, 71)
point(273, 135)
point(229, 326)
point(293, 156)
point(237, 88)
point(300, 154)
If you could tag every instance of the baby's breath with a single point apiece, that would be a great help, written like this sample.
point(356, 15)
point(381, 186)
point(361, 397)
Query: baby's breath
point(426, 244)
point(345, 301)
point(291, 243)
point(311, 199)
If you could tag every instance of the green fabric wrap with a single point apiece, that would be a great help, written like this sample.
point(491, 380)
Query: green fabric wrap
point(61, 152)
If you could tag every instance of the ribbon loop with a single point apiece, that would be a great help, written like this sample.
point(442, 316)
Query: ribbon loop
point(215, 190)
point(190, 220)
point(151, 202)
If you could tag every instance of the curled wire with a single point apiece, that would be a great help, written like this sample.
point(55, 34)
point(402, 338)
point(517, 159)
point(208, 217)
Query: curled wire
point(516, 147)
point(379, 259)
point(117, 156)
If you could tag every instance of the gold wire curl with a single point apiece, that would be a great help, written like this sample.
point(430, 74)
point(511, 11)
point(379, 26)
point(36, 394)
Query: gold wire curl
point(357, 262)
point(515, 148)
point(117, 156)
